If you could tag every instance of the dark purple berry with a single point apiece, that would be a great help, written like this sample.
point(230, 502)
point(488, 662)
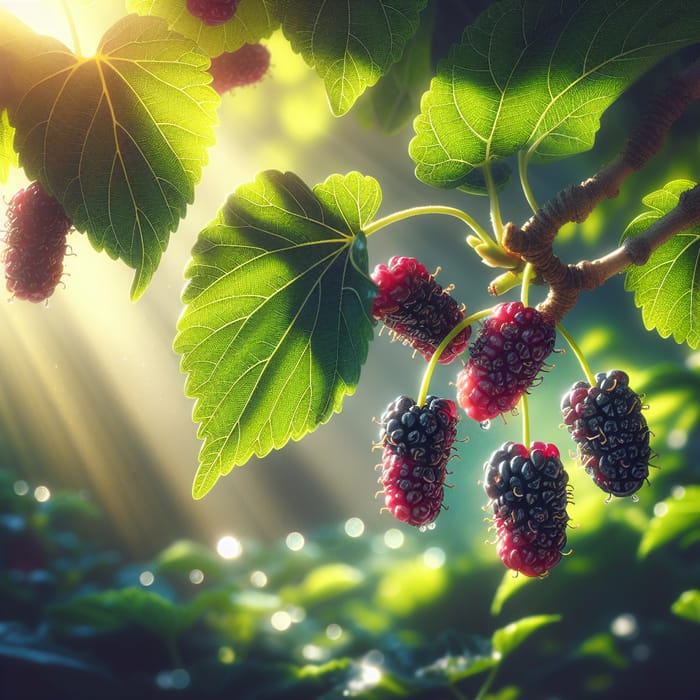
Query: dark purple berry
point(610, 432)
point(417, 445)
point(529, 495)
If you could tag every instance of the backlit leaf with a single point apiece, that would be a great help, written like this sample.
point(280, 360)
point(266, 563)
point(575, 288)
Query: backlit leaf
point(537, 75)
point(510, 637)
point(119, 138)
point(395, 99)
point(688, 606)
point(8, 156)
point(676, 517)
point(351, 45)
point(667, 286)
point(252, 22)
point(277, 319)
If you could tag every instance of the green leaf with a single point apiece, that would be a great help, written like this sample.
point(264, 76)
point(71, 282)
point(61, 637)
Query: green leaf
point(395, 99)
point(119, 138)
point(252, 22)
point(324, 583)
point(667, 286)
point(112, 610)
point(537, 75)
point(688, 606)
point(8, 155)
point(351, 45)
point(675, 517)
point(510, 637)
point(454, 668)
point(182, 556)
point(508, 586)
point(277, 319)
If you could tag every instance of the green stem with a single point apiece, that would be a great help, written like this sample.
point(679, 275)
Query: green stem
point(72, 27)
point(487, 683)
point(524, 181)
point(524, 297)
point(590, 378)
point(427, 375)
point(456, 693)
point(525, 284)
point(525, 409)
point(374, 226)
point(496, 220)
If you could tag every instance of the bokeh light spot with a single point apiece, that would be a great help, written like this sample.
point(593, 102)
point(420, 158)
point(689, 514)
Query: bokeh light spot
point(229, 547)
point(354, 527)
point(281, 620)
point(21, 487)
point(334, 631)
point(258, 579)
point(295, 541)
point(42, 494)
point(196, 576)
point(394, 538)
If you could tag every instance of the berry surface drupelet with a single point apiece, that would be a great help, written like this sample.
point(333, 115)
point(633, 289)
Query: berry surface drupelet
point(416, 445)
point(529, 495)
point(245, 66)
point(504, 360)
point(611, 434)
point(416, 309)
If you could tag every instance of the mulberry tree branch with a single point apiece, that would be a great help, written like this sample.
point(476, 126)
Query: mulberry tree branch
point(533, 242)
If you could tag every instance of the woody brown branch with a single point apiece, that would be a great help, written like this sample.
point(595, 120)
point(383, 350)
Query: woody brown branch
point(533, 242)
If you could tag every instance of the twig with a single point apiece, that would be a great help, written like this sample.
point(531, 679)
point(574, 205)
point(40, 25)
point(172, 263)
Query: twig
point(533, 242)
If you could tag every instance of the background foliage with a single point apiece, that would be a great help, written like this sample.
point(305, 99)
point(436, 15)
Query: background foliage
point(373, 611)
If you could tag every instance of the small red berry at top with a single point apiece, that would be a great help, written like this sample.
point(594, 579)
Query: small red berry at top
point(239, 68)
point(213, 12)
point(35, 243)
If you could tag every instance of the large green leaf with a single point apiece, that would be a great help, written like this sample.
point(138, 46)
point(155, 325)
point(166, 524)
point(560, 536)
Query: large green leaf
point(120, 138)
point(667, 286)
point(395, 99)
point(351, 45)
point(252, 22)
point(277, 319)
point(677, 518)
point(537, 75)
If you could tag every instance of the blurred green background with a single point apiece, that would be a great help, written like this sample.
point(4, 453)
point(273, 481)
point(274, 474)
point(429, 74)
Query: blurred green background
point(311, 585)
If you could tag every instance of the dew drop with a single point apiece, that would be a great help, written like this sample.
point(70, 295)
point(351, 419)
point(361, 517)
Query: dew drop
point(635, 498)
point(485, 424)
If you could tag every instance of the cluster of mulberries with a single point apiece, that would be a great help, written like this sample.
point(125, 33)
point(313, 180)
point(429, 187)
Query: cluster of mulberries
point(528, 488)
point(416, 443)
point(35, 243)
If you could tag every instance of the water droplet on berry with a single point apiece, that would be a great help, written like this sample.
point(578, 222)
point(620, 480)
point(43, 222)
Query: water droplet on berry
point(485, 424)
point(635, 498)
